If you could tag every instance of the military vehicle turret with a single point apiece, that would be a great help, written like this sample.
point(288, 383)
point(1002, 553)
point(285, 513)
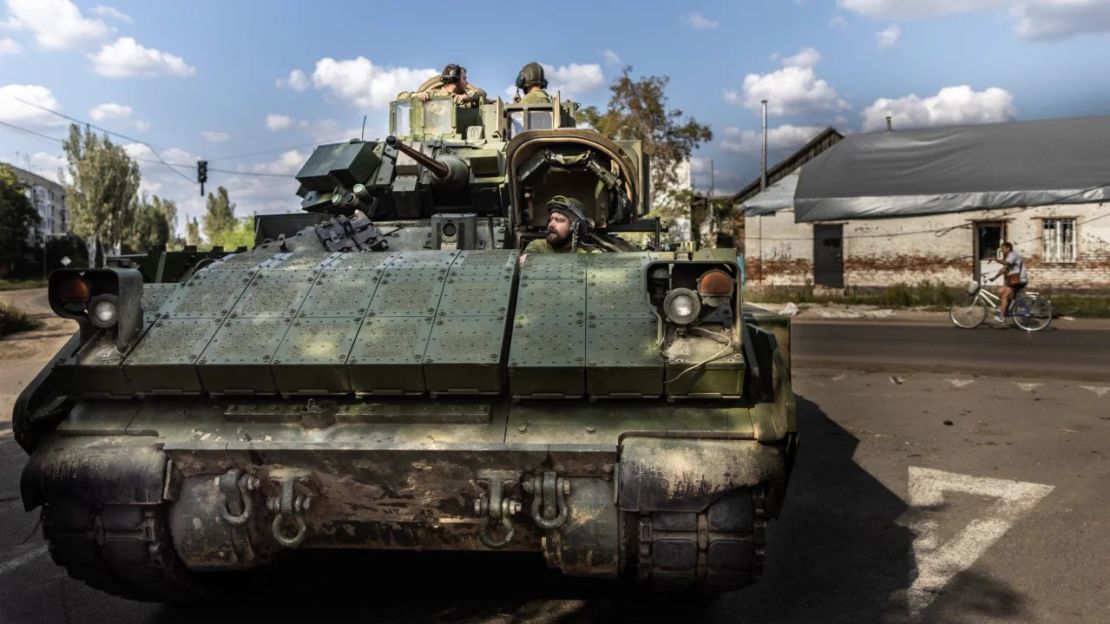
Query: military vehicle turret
point(381, 372)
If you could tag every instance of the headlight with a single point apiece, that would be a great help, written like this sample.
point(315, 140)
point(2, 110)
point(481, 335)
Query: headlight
point(104, 311)
point(682, 306)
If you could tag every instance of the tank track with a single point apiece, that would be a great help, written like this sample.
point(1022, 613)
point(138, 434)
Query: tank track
point(720, 549)
point(124, 550)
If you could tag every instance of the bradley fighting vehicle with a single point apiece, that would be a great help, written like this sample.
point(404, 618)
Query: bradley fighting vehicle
point(380, 372)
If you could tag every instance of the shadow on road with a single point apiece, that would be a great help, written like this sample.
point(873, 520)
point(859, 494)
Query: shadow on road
point(840, 553)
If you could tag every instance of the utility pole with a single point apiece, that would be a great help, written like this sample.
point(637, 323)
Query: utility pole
point(889, 124)
point(763, 157)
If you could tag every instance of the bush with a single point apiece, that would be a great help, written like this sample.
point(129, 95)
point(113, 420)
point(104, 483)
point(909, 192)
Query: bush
point(924, 294)
point(14, 320)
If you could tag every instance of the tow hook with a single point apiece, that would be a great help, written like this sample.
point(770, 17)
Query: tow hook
point(548, 491)
point(493, 506)
point(236, 485)
point(295, 493)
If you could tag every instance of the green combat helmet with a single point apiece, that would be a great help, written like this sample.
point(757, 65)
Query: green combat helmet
point(381, 372)
point(531, 74)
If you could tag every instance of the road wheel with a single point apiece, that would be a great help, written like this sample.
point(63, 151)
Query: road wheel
point(969, 313)
point(1032, 314)
point(124, 550)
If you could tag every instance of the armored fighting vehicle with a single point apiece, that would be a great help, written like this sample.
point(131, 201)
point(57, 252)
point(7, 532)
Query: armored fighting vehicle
point(382, 372)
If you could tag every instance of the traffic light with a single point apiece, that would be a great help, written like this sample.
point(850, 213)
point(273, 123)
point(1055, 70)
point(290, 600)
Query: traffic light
point(202, 174)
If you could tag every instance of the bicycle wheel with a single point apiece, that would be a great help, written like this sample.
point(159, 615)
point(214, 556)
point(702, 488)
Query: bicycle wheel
point(968, 313)
point(1032, 313)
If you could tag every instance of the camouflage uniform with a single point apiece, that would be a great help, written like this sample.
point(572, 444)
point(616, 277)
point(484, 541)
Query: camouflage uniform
point(435, 87)
point(539, 96)
point(541, 246)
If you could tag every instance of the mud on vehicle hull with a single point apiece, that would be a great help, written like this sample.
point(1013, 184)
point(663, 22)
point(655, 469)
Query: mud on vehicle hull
point(170, 489)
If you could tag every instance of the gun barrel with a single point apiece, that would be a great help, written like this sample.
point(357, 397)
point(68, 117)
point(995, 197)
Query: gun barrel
point(439, 170)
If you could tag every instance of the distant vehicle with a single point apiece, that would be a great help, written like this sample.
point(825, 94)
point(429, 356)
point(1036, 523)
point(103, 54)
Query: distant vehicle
point(380, 372)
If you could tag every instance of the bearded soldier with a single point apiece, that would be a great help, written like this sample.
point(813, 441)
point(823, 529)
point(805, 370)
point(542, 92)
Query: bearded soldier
point(566, 225)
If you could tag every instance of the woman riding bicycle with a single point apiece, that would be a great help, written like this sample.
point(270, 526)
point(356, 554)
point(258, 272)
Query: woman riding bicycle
point(1013, 267)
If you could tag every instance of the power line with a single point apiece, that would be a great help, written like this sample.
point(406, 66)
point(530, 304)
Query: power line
point(153, 149)
point(260, 153)
point(172, 165)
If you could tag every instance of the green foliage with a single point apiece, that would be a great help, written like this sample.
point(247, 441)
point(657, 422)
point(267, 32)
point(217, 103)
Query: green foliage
point(637, 109)
point(152, 224)
point(241, 235)
point(17, 217)
point(219, 217)
point(104, 181)
point(1082, 306)
point(14, 320)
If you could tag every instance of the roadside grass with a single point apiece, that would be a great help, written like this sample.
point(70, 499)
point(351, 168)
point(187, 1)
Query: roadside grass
point(21, 284)
point(925, 295)
point(14, 320)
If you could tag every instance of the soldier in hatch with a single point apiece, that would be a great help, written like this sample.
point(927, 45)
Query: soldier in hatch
point(531, 81)
point(451, 82)
point(566, 224)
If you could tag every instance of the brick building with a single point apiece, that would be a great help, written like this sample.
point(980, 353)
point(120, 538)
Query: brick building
point(1065, 246)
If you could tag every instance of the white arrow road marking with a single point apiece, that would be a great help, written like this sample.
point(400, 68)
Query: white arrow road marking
point(1099, 391)
point(960, 383)
point(25, 558)
point(1028, 387)
point(937, 563)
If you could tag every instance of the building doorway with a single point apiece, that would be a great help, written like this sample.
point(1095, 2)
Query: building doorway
point(989, 236)
point(828, 255)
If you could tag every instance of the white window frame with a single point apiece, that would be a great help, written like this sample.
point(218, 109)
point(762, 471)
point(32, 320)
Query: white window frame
point(1059, 241)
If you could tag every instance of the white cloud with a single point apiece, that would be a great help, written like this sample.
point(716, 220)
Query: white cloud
point(289, 162)
point(296, 81)
point(127, 58)
point(610, 57)
point(16, 112)
point(57, 24)
point(914, 9)
point(794, 89)
point(838, 22)
point(358, 81)
point(697, 21)
point(278, 122)
point(9, 46)
point(573, 79)
point(950, 106)
point(887, 37)
point(117, 112)
point(49, 166)
point(214, 136)
point(782, 138)
point(1059, 19)
point(112, 13)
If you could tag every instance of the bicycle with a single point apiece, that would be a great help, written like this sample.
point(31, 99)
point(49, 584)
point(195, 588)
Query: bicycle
point(1028, 309)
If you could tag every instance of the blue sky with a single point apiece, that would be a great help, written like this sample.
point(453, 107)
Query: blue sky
point(221, 79)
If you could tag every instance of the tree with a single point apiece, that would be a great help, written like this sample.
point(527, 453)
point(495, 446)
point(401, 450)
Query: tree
point(192, 232)
point(219, 218)
point(101, 192)
point(18, 218)
point(150, 225)
point(637, 109)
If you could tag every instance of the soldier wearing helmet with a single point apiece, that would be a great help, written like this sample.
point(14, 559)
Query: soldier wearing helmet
point(530, 80)
point(450, 82)
point(567, 223)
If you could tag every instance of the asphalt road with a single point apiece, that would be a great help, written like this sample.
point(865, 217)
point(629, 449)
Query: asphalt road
point(1076, 350)
point(917, 497)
